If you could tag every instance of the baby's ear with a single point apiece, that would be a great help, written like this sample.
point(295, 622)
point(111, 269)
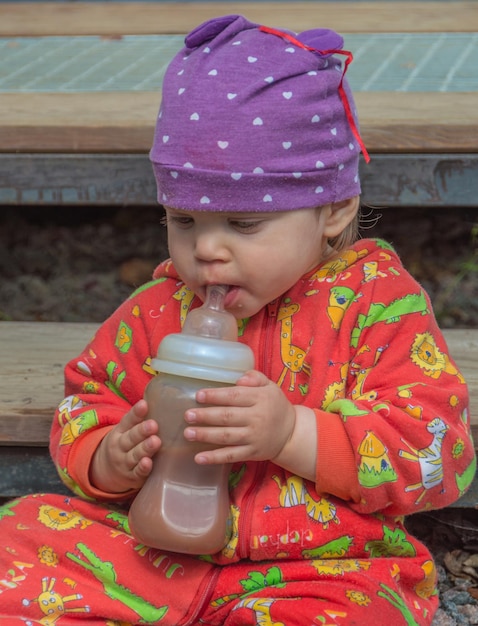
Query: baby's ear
point(340, 214)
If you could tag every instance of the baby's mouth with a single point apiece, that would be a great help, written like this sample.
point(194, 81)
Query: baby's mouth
point(232, 295)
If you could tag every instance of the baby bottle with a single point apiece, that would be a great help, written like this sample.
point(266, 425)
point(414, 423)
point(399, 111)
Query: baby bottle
point(183, 506)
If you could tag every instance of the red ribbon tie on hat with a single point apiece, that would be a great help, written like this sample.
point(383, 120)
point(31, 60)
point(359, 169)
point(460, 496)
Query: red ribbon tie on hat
point(342, 93)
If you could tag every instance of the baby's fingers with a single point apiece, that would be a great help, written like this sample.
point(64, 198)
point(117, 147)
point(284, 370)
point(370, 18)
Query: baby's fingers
point(134, 429)
point(224, 396)
point(134, 416)
point(217, 435)
point(218, 456)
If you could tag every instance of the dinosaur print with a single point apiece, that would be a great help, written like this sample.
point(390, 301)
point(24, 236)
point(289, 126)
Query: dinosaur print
point(395, 600)
point(378, 312)
point(105, 573)
point(333, 549)
point(255, 583)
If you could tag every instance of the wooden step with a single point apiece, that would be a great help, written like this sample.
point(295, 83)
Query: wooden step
point(34, 354)
point(124, 122)
point(32, 360)
point(115, 18)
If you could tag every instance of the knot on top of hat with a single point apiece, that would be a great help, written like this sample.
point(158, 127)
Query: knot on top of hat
point(321, 39)
point(209, 30)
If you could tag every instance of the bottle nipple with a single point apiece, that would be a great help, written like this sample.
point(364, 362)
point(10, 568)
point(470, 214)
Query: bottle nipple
point(207, 348)
point(211, 319)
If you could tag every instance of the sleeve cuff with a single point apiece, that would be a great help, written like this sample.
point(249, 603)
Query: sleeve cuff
point(336, 471)
point(80, 460)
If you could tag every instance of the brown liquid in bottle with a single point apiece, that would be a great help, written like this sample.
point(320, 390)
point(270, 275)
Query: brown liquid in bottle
point(183, 506)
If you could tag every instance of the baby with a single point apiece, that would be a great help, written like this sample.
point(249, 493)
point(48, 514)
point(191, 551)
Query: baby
point(354, 416)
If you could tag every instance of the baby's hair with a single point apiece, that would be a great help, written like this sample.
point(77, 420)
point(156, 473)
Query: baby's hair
point(351, 233)
point(347, 237)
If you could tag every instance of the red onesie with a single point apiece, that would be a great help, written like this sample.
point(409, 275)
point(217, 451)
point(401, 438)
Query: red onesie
point(356, 340)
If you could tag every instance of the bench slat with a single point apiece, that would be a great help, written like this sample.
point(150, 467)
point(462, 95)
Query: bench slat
point(124, 122)
point(32, 358)
point(114, 18)
point(68, 180)
point(34, 354)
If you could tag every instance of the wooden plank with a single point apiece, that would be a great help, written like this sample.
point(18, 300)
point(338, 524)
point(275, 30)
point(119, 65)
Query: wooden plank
point(463, 347)
point(68, 180)
point(115, 18)
point(34, 354)
point(124, 122)
point(32, 360)
point(86, 179)
point(78, 122)
point(418, 121)
point(419, 180)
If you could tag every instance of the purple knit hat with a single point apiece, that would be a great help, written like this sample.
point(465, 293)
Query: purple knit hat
point(254, 119)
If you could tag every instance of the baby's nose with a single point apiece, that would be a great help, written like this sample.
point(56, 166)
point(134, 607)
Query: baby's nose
point(209, 246)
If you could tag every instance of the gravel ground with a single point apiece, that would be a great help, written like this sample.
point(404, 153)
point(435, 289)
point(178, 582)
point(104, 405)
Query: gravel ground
point(78, 265)
point(452, 537)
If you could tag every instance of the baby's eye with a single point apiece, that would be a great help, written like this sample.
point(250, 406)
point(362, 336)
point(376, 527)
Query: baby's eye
point(245, 225)
point(180, 220)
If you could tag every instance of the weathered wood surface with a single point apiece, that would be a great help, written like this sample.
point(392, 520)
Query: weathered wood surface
point(96, 179)
point(115, 18)
point(75, 18)
point(390, 122)
point(33, 355)
point(32, 358)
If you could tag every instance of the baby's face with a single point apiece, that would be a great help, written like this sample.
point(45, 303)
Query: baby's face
point(259, 255)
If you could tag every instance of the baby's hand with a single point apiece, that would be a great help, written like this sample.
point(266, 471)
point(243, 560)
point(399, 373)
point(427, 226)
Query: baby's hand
point(249, 422)
point(123, 459)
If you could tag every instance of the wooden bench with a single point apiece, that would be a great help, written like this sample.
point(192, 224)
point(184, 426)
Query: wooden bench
point(32, 359)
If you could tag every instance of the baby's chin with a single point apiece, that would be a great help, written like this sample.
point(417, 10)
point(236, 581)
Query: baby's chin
point(243, 310)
